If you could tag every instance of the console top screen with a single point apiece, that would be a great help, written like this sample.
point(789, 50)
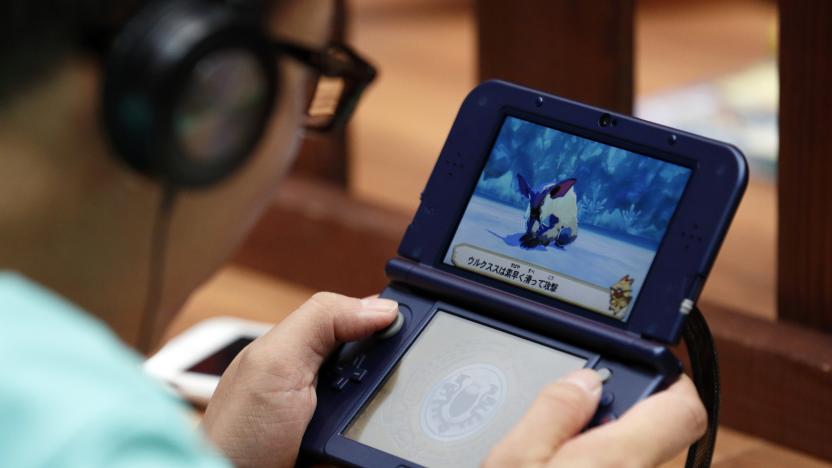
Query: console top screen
point(567, 217)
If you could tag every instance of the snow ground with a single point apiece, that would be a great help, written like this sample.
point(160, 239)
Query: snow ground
point(593, 257)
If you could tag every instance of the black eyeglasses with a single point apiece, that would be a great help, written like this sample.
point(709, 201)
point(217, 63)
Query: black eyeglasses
point(343, 75)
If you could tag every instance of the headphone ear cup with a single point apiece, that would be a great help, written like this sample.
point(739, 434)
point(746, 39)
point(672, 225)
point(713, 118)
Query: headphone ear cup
point(188, 89)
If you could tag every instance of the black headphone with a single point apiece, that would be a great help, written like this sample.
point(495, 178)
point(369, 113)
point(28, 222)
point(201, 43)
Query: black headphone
point(188, 89)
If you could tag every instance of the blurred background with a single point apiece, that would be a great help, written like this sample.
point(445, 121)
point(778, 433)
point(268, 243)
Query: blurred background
point(723, 85)
point(706, 66)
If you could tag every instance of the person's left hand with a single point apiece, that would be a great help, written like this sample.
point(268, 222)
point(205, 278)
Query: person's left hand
point(266, 397)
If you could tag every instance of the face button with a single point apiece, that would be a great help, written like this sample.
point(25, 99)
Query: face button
point(603, 416)
point(357, 375)
point(607, 398)
point(339, 383)
point(348, 371)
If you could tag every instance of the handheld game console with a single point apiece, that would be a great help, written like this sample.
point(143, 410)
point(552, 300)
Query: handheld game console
point(551, 236)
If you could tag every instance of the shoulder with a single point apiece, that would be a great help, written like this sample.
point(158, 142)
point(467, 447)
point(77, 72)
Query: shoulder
point(50, 348)
point(72, 394)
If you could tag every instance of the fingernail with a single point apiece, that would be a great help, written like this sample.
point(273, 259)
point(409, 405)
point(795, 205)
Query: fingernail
point(587, 379)
point(377, 305)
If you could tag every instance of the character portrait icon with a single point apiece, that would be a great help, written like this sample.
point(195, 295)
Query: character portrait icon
point(621, 294)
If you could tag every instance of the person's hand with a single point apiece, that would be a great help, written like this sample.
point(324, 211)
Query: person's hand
point(651, 432)
point(266, 397)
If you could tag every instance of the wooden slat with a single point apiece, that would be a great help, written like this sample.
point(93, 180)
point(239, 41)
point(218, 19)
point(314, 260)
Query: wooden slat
point(576, 49)
point(805, 204)
point(314, 235)
point(776, 379)
point(324, 156)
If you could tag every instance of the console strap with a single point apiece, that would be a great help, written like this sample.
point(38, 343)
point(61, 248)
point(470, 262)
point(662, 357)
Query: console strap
point(705, 372)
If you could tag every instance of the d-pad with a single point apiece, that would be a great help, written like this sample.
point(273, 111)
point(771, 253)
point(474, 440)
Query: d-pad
point(344, 372)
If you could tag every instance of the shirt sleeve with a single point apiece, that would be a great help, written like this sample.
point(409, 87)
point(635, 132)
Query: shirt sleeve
point(72, 395)
point(136, 440)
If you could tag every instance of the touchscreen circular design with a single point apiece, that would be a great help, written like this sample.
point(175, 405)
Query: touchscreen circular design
point(463, 402)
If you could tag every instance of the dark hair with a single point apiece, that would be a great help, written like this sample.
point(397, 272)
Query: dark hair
point(37, 35)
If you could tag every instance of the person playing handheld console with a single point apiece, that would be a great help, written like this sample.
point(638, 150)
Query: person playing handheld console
point(79, 200)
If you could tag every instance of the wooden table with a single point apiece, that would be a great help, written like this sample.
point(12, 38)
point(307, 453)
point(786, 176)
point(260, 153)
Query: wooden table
point(244, 293)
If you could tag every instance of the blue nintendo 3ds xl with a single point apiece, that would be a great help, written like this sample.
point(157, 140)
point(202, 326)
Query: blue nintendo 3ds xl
point(551, 236)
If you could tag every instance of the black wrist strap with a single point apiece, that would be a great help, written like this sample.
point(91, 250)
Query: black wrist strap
point(705, 373)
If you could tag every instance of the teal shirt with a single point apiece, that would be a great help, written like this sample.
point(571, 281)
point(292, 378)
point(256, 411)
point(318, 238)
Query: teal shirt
point(72, 395)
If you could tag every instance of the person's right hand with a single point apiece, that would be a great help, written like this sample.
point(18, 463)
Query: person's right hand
point(648, 434)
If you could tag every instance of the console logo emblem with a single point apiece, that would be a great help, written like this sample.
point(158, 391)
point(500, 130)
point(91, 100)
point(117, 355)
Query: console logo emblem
point(463, 402)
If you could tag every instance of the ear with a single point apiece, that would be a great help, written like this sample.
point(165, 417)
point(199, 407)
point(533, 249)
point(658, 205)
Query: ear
point(561, 188)
point(525, 190)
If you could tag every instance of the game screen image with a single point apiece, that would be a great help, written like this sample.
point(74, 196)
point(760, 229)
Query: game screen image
point(567, 217)
point(457, 392)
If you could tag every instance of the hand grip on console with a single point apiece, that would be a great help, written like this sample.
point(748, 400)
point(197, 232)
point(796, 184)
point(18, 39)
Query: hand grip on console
point(349, 351)
point(392, 329)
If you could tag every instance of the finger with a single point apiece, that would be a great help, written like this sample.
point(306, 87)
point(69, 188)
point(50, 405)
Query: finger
point(310, 333)
point(651, 432)
point(558, 413)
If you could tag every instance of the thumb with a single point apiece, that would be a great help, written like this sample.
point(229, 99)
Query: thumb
point(310, 333)
point(560, 411)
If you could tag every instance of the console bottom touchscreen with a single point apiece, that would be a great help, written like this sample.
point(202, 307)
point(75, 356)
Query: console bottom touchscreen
point(456, 392)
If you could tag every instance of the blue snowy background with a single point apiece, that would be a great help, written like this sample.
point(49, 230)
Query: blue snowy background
point(619, 191)
point(625, 202)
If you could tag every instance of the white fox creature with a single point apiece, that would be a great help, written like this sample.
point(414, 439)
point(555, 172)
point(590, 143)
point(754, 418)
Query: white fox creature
point(552, 214)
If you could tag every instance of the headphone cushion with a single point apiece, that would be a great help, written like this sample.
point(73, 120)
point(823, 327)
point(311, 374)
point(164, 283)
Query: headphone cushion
point(147, 75)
